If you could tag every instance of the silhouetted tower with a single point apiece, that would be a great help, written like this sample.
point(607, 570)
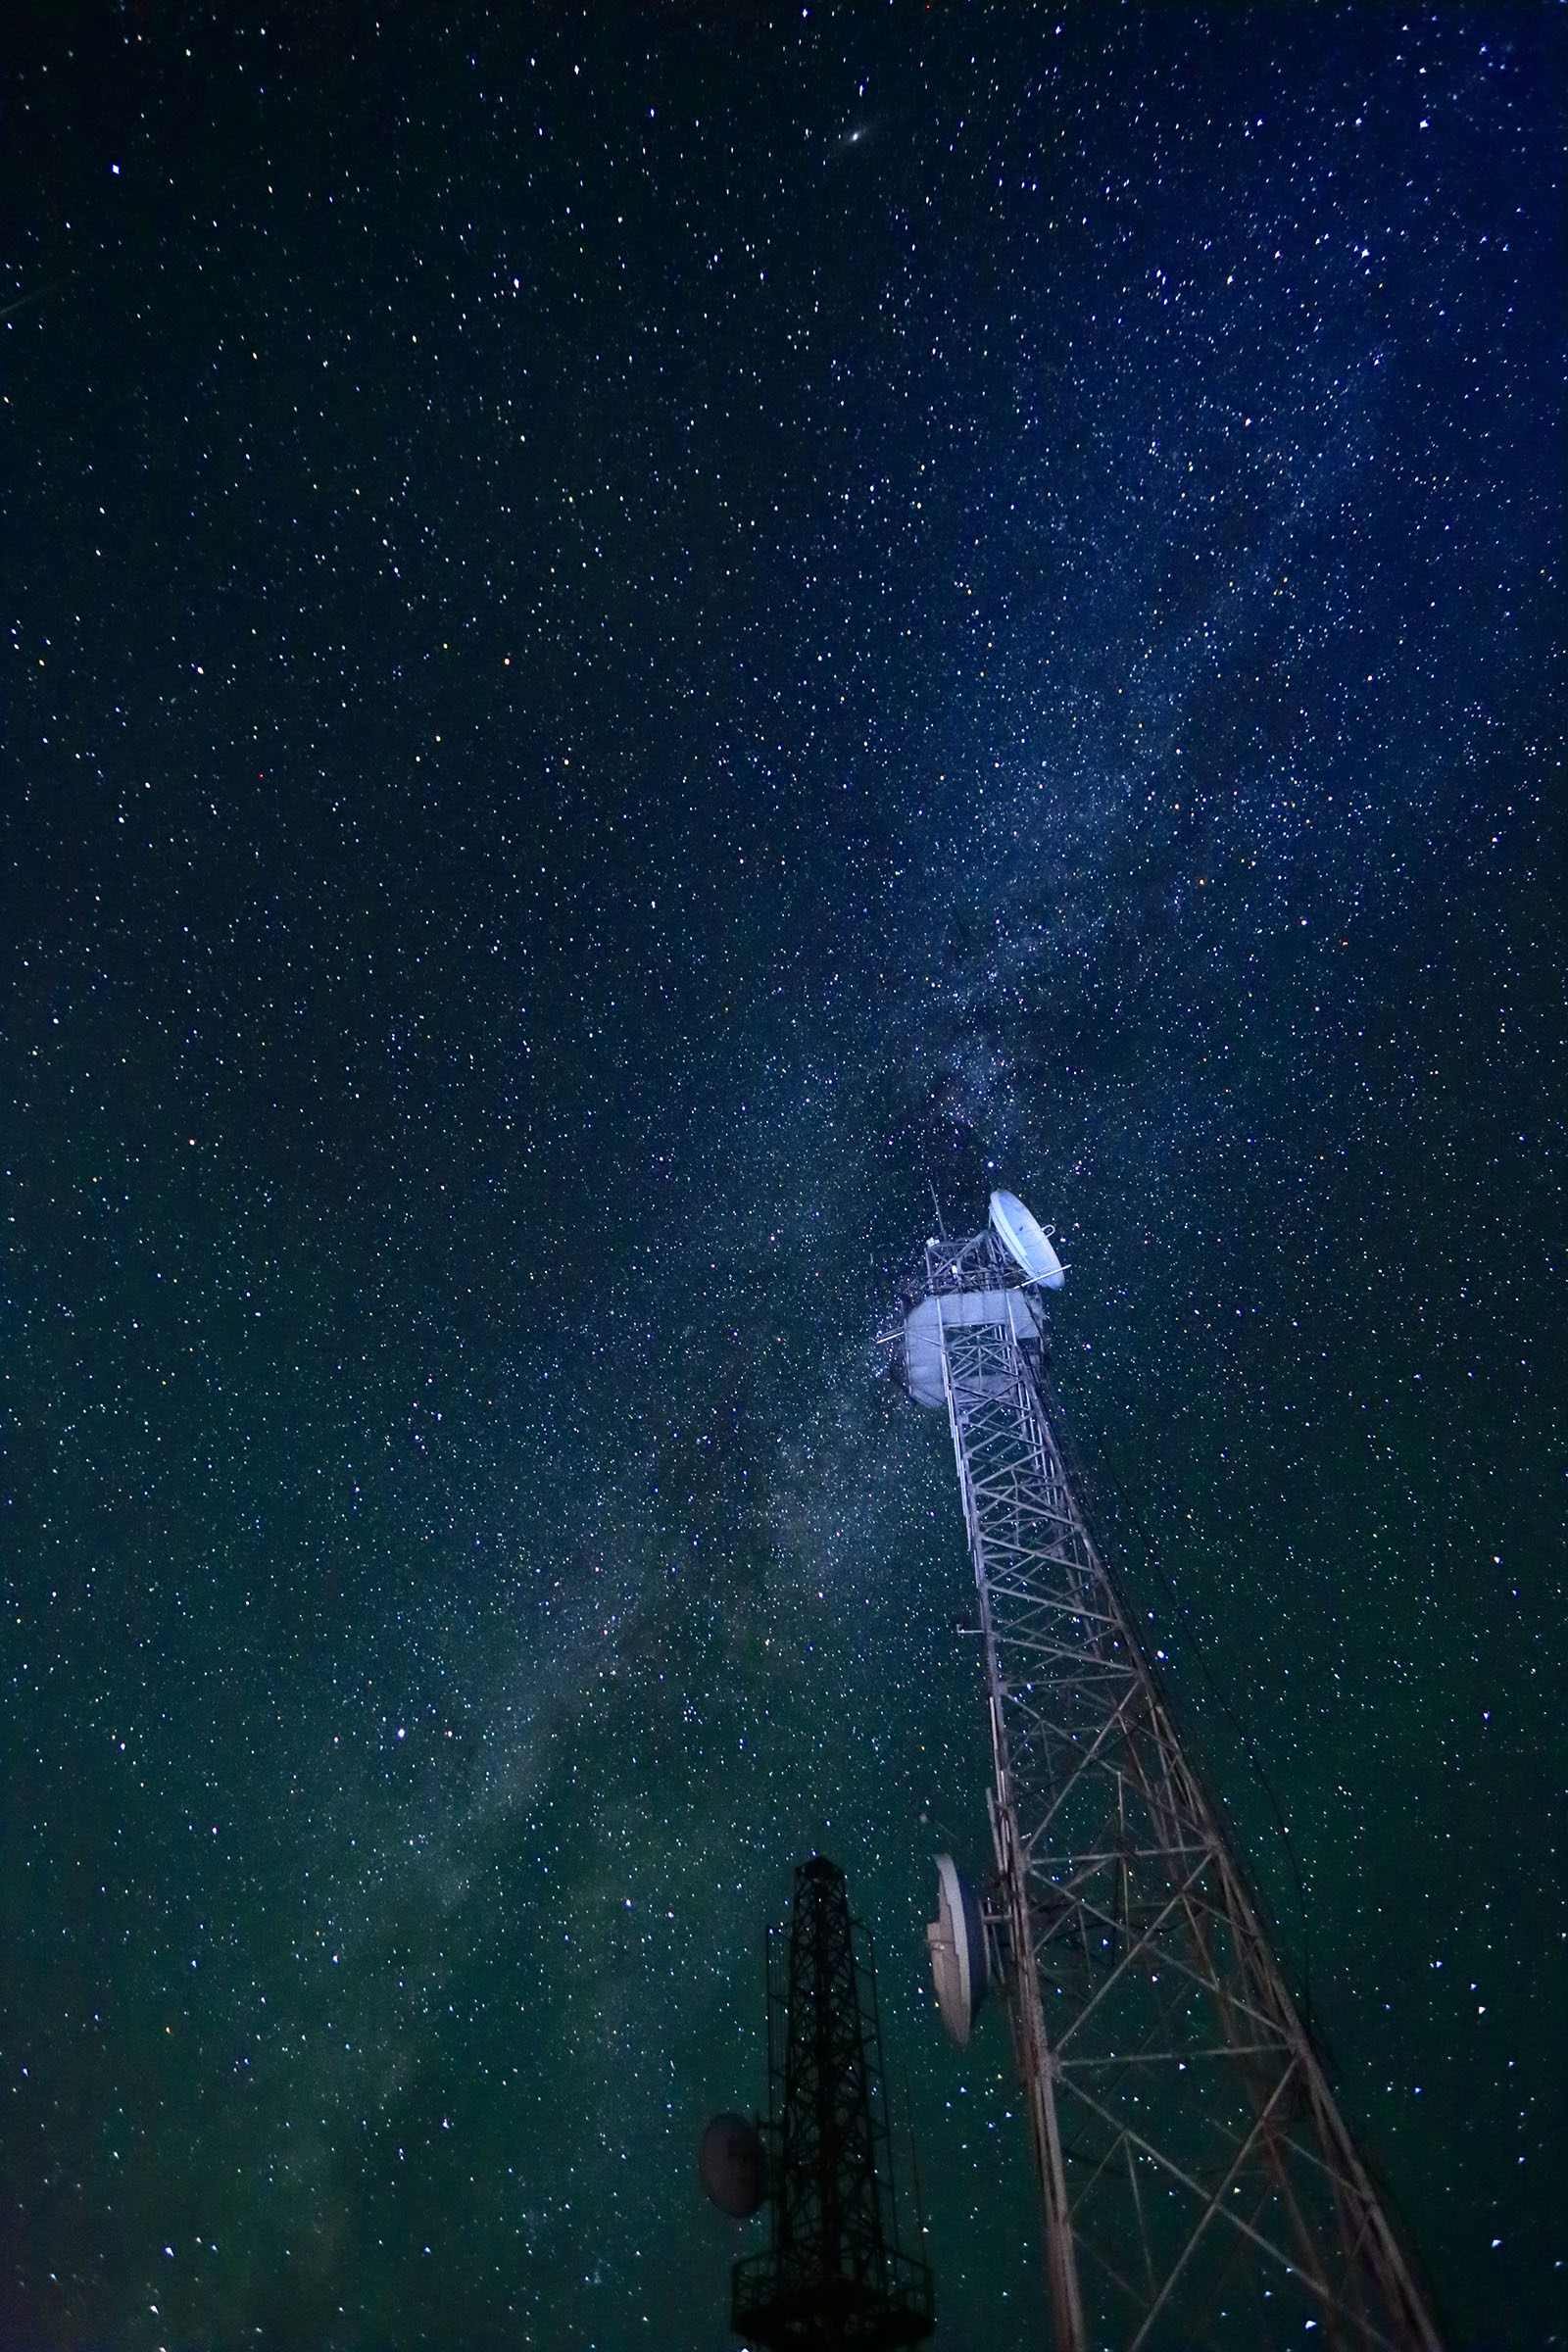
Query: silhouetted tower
point(1198, 2183)
point(834, 2277)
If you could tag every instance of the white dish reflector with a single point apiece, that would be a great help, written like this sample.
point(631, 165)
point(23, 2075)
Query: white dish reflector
point(1024, 1241)
point(959, 1962)
point(957, 1310)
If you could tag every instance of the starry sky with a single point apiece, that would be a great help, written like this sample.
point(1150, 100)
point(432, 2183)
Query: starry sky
point(635, 637)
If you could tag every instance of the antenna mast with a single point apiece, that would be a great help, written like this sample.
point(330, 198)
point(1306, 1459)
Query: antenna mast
point(1198, 2183)
point(835, 2277)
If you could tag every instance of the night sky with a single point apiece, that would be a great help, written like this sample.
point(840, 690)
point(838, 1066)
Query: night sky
point(634, 637)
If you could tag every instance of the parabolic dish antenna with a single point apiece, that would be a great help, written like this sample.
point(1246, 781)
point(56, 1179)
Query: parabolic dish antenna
point(1024, 1241)
point(733, 2164)
point(959, 1962)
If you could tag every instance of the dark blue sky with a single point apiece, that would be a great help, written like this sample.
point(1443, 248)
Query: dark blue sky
point(634, 636)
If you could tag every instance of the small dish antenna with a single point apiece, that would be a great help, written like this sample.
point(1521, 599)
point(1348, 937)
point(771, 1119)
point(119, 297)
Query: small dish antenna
point(733, 2164)
point(1025, 1242)
point(959, 1960)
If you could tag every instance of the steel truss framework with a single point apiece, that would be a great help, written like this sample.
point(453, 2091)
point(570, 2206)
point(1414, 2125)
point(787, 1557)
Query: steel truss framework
point(835, 2277)
point(1199, 2187)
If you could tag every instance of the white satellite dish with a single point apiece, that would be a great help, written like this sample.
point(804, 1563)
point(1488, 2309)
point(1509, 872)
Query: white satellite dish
point(958, 1310)
point(1024, 1241)
point(956, 1938)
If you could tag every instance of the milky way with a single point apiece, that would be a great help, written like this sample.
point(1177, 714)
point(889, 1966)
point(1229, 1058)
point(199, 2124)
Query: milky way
point(638, 640)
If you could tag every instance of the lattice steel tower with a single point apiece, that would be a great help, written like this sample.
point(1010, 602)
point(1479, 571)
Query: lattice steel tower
point(1198, 2183)
point(834, 2277)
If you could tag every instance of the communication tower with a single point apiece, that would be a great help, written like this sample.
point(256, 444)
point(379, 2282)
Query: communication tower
point(1198, 2183)
point(834, 2277)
